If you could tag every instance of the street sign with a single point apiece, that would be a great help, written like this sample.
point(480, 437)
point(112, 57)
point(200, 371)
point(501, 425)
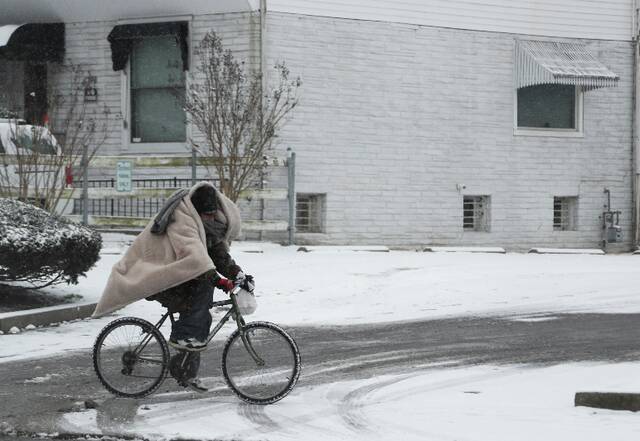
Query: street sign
point(124, 170)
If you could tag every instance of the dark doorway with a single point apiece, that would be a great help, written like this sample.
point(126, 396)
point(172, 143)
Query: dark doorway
point(35, 92)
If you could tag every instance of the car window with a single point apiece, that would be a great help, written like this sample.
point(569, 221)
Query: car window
point(40, 145)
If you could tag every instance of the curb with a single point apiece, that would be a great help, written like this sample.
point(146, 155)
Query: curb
point(346, 248)
point(490, 250)
point(45, 316)
point(609, 400)
point(592, 251)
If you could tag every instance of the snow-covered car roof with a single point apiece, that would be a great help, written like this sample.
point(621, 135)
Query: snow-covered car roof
point(10, 128)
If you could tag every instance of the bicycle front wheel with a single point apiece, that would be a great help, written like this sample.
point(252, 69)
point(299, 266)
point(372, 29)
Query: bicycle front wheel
point(131, 357)
point(261, 363)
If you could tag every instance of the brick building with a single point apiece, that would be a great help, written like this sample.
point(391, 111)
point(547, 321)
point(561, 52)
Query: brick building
point(420, 123)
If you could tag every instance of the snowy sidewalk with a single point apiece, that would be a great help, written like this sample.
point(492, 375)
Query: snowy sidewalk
point(342, 287)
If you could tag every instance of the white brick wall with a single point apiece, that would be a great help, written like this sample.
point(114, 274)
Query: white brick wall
point(393, 116)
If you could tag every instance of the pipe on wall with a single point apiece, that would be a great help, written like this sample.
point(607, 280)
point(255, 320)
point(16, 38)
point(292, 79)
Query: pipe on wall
point(635, 128)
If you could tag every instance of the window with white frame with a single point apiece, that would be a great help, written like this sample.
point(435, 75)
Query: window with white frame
point(565, 213)
point(310, 212)
point(475, 213)
point(157, 87)
point(549, 107)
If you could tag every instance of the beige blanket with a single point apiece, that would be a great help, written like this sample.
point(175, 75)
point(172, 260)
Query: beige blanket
point(154, 263)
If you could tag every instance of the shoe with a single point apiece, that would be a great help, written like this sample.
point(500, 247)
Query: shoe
point(196, 385)
point(188, 344)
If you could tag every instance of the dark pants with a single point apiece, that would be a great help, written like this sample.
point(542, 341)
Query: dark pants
point(196, 322)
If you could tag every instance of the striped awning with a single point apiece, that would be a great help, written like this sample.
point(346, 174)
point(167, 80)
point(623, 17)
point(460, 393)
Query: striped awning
point(550, 62)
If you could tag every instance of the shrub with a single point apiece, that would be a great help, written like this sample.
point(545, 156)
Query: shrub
point(43, 249)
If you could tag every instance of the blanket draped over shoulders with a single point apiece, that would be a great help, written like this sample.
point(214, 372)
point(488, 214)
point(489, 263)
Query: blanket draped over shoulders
point(157, 262)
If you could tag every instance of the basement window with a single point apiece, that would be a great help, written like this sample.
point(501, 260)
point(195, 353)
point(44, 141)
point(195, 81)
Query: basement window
point(310, 212)
point(565, 210)
point(475, 213)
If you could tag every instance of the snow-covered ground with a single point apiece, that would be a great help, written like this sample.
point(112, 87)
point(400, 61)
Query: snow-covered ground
point(335, 285)
point(484, 403)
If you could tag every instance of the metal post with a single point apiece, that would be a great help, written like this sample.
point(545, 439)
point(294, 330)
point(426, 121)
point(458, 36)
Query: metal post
point(291, 169)
point(193, 166)
point(85, 186)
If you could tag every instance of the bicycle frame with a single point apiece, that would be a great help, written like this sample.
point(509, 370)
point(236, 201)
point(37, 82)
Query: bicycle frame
point(232, 312)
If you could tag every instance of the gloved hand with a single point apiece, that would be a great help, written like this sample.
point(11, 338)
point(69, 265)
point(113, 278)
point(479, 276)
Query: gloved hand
point(244, 281)
point(224, 284)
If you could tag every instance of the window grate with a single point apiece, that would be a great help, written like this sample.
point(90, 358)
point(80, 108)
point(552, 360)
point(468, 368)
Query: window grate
point(565, 213)
point(475, 213)
point(310, 213)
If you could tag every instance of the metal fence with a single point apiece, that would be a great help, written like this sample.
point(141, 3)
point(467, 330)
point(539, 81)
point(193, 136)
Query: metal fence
point(107, 203)
point(131, 206)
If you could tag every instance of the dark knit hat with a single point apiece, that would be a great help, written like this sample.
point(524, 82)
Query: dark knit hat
point(204, 199)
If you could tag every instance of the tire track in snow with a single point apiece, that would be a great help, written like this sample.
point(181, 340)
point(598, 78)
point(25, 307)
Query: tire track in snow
point(256, 415)
point(350, 408)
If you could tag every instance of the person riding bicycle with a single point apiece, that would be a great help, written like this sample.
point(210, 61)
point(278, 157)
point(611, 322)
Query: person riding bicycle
point(177, 260)
point(190, 332)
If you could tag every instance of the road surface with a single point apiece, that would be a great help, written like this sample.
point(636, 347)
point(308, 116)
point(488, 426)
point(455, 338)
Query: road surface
point(36, 393)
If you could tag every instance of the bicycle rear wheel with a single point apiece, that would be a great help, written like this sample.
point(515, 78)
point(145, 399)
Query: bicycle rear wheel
point(264, 366)
point(131, 357)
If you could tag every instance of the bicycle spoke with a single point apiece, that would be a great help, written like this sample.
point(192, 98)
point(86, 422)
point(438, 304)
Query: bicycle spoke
point(262, 365)
point(129, 357)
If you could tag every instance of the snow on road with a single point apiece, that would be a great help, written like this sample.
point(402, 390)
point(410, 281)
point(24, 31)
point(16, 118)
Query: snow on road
point(484, 403)
point(335, 285)
point(342, 286)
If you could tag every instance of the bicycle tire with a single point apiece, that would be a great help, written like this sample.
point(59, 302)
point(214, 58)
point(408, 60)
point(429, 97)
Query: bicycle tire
point(280, 353)
point(103, 354)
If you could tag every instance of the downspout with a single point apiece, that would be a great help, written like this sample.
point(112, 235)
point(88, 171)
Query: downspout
point(635, 131)
point(263, 85)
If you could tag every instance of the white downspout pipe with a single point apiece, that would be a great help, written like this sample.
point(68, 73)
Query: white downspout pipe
point(635, 128)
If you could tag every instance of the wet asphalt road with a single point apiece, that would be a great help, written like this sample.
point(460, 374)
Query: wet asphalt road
point(331, 354)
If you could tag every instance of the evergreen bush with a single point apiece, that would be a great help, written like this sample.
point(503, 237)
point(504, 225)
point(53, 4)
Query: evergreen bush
point(41, 248)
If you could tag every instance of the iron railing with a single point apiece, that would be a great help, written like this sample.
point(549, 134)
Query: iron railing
point(131, 206)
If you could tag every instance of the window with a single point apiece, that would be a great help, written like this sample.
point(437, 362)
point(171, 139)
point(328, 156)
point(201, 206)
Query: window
point(549, 107)
point(475, 213)
point(36, 142)
point(157, 88)
point(310, 213)
point(565, 211)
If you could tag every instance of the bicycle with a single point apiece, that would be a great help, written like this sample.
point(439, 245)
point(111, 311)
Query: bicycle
point(260, 361)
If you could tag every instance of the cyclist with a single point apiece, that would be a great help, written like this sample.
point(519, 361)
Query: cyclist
point(190, 332)
point(183, 279)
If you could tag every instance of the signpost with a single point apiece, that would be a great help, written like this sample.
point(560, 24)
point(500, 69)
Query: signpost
point(124, 170)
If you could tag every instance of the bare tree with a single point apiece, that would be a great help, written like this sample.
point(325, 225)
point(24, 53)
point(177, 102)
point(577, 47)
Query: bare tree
point(237, 118)
point(37, 170)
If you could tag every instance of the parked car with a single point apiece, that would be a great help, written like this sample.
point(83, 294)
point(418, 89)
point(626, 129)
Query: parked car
point(39, 165)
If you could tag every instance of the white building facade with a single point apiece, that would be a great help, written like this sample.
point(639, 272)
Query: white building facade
point(432, 122)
